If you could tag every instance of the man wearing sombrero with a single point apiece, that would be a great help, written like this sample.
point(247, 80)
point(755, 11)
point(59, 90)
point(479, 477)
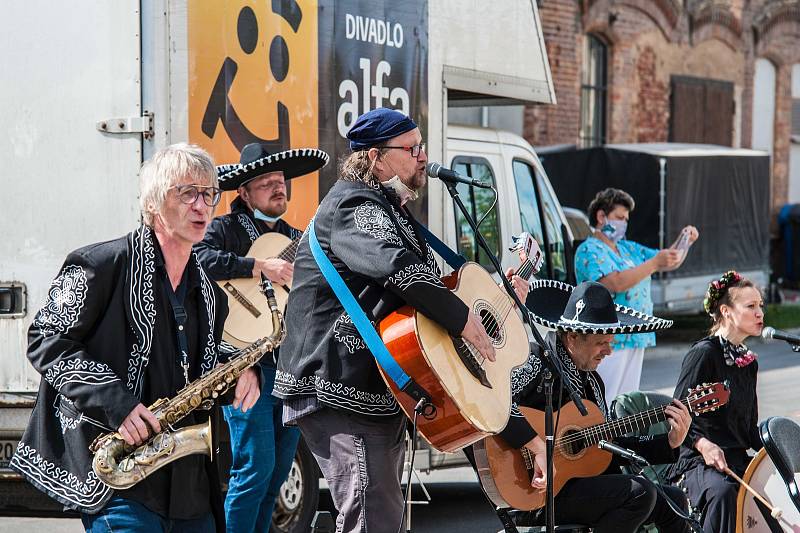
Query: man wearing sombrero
point(262, 448)
point(585, 320)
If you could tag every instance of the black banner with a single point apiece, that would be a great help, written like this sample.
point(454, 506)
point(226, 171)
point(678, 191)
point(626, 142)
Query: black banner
point(372, 53)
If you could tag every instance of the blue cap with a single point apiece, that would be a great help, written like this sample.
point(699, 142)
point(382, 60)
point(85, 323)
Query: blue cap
point(377, 126)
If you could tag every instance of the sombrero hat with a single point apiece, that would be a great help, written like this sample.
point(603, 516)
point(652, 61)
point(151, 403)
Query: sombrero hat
point(255, 160)
point(587, 308)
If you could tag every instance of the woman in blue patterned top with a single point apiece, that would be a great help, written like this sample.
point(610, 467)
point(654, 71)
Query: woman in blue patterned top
point(624, 267)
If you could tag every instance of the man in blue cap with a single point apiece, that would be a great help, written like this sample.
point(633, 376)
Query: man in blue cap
point(327, 376)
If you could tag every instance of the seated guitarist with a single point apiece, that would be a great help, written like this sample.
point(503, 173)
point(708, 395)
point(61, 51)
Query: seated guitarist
point(262, 449)
point(585, 321)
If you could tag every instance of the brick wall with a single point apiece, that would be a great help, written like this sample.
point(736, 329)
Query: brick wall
point(652, 40)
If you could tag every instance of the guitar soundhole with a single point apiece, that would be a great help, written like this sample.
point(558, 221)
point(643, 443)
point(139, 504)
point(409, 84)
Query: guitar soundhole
point(571, 443)
point(490, 322)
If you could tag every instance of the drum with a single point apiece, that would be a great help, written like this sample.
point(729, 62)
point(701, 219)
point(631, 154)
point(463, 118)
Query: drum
point(751, 515)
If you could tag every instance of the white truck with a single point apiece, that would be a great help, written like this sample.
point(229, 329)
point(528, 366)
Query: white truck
point(92, 91)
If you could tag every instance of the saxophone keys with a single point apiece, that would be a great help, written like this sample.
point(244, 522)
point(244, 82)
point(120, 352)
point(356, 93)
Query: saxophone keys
point(127, 464)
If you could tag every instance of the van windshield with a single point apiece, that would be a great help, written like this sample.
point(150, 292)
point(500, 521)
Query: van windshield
point(478, 202)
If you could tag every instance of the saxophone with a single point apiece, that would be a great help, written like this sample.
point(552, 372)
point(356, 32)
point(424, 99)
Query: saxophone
point(120, 465)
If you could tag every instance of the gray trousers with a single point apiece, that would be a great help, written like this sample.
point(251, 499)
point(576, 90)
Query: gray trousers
point(362, 461)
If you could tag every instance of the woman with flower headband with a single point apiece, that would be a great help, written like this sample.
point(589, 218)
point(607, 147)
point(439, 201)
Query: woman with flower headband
point(720, 439)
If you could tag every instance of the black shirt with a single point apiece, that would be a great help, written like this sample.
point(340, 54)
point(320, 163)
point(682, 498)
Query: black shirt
point(733, 427)
point(179, 490)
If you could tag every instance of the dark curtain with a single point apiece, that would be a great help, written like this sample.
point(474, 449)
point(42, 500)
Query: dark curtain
point(727, 198)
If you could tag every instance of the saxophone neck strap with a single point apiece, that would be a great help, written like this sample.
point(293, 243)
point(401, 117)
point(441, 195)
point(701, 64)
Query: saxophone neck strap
point(176, 300)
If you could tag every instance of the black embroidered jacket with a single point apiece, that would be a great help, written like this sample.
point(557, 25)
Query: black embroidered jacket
point(377, 248)
point(525, 381)
point(92, 342)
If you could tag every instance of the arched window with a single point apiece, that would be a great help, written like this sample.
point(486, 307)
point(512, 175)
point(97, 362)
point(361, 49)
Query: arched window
point(594, 92)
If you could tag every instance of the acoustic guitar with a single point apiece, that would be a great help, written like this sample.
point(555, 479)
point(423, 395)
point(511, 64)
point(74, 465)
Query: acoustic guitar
point(471, 396)
point(506, 472)
point(249, 317)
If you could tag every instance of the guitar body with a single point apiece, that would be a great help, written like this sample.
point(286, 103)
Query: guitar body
point(466, 409)
point(249, 317)
point(505, 476)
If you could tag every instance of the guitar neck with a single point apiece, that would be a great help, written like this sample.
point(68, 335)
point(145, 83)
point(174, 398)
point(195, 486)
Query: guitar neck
point(525, 269)
point(629, 424)
point(288, 253)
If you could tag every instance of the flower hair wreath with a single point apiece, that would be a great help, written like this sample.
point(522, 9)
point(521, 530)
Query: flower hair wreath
point(718, 287)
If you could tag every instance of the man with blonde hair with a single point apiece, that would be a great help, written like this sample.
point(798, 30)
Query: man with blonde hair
point(127, 322)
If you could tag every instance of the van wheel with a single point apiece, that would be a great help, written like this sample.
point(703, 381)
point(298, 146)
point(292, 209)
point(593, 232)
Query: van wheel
point(299, 495)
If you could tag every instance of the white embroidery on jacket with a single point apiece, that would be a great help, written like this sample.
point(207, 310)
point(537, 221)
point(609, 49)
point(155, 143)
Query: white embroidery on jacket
point(337, 394)
point(141, 267)
point(407, 230)
point(58, 482)
point(210, 354)
point(248, 226)
point(64, 303)
point(80, 371)
point(67, 422)
point(523, 375)
point(415, 274)
point(345, 332)
point(373, 220)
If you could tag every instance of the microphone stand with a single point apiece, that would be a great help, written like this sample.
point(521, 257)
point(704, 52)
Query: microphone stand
point(554, 361)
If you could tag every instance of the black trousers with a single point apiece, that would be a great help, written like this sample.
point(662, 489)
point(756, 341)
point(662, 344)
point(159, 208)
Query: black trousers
point(615, 503)
point(714, 493)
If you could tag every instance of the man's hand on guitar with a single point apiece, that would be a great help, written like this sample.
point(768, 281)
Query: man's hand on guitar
point(679, 421)
point(134, 429)
point(475, 334)
point(712, 454)
point(277, 270)
point(521, 286)
point(537, 447)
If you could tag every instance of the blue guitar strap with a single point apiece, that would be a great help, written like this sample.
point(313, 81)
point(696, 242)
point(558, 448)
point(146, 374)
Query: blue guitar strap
point(452, 258)
point(362, 323)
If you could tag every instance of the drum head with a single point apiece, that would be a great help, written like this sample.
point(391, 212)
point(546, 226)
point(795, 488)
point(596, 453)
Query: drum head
point(751, 515)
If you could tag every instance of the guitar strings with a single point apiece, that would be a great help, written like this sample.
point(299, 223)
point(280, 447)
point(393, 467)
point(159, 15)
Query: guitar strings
point(608, 427)
point(504, 306)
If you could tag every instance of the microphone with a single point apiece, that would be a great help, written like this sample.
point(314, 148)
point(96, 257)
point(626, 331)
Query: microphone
point(625, 453)
point(771, 333)
point(435, 170)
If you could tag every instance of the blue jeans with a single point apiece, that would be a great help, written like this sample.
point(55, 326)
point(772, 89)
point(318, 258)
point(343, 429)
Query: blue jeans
point(263, 450)
point(127, 516)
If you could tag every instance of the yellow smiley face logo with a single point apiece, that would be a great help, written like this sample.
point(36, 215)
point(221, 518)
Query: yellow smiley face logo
point(253, 78)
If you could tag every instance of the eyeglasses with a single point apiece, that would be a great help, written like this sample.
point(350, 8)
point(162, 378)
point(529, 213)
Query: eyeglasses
point(188, 194)
point(414, 150)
